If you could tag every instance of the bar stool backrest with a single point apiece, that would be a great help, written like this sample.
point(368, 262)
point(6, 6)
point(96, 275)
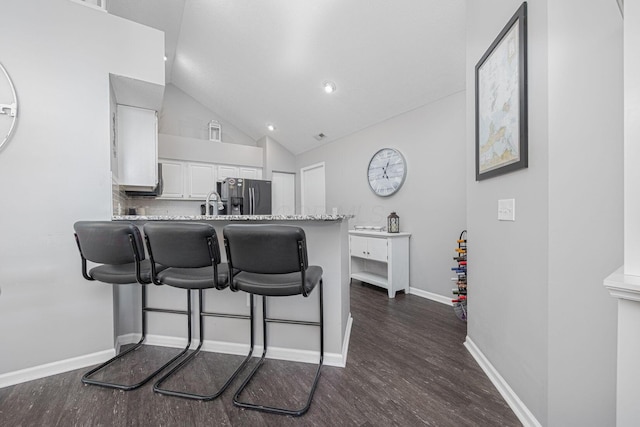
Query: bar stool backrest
point(266, 248)
point(108, 242)
point(182, 245)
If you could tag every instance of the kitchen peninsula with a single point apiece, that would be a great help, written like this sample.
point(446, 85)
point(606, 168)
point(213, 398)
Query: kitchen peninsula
point(327, 246)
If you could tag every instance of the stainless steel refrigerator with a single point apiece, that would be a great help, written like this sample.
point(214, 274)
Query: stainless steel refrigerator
point(246, 196)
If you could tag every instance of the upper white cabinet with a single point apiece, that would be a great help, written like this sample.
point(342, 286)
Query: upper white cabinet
point(173, 174)
point(137, 142)
point(187, 180)
point(250, 173)
point(227, 171)
point(194, 180)
point(201, 180)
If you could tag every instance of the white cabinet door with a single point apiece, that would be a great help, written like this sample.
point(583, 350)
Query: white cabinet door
point(377, 249)
point(358, 246)
point(137, 140)
point(172, 179)
point(250, 173)
point(225, 171)
point(201, 180)
point(369, 248)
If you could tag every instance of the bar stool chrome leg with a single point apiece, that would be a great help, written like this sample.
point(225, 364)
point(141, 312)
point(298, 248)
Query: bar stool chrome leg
point(204, 397)
point(265, 321)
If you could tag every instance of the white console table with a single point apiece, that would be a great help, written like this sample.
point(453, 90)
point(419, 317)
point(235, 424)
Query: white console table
point(381, 259)
point(626, 288)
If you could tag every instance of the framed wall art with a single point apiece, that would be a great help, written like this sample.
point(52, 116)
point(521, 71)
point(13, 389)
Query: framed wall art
point(501, 101)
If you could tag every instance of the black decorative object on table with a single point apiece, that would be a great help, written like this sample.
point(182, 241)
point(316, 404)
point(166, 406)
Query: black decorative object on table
point(393, 223)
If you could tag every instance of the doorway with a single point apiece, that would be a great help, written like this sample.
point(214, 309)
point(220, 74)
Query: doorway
point(312, 190)
point(283, 193)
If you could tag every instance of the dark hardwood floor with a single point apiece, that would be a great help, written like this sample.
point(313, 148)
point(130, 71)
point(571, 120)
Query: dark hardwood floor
point(407, 366)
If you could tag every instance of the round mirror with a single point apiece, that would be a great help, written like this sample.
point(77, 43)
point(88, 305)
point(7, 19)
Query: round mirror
point(8, 107)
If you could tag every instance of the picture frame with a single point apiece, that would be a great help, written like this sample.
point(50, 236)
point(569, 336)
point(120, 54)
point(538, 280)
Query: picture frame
point(501, 101)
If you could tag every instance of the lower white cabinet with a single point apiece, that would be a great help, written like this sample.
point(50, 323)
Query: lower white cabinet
point(381, 259)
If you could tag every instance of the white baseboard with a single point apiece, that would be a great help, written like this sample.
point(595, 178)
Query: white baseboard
point(306, 356)
point(345, 344)
point(126, 339)
point(430, 295)
point(519, 408)
point(41, 371)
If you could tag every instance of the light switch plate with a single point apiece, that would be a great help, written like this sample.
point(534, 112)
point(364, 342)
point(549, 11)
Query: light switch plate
point(507, 210)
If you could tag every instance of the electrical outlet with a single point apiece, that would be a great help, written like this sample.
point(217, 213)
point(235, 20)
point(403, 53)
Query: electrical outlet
point(507, 210)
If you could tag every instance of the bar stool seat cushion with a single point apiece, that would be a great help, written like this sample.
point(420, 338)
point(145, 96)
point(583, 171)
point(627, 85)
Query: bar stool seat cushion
point(121, 274)
point(278, 284)
point(194, 278)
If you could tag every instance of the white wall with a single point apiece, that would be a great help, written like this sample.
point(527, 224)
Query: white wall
point(537, 308)
point(508, 260)
point(276, 157)
point(632, 136)
point(431, 203)
point(182, 115)
point(56, 170)
point(585, 208)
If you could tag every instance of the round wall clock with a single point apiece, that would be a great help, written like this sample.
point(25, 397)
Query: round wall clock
point(387, 171)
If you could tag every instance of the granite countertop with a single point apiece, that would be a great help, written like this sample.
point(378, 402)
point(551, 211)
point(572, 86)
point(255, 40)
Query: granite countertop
point(230, 217)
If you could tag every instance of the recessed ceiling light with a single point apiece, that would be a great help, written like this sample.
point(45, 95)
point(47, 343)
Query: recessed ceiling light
point(271, 127)
point(329, 86)
point(165, 57)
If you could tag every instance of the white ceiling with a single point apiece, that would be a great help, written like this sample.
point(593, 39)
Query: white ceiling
point(254, 62)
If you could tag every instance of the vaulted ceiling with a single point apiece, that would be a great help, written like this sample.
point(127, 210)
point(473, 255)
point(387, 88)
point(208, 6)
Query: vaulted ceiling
point(254, 62)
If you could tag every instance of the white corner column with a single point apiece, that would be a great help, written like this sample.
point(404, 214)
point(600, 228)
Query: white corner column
point(624, 283)
point(631, 137)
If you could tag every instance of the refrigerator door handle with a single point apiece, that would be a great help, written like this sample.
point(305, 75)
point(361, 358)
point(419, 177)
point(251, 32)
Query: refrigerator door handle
point(253, 200)
point(253, 197)
point(251, 211)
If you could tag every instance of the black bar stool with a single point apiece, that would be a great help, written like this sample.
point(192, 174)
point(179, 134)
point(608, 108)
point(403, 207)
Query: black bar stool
point(191, 254)
point(118, 247)
point(271, 260)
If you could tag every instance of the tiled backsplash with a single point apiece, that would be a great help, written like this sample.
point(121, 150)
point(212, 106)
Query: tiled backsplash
point(150, 206)
point(118, 197)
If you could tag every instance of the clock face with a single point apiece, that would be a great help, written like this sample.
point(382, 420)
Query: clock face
point(386, 173)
